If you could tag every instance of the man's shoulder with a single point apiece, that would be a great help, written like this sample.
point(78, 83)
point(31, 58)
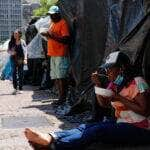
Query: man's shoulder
point(62, 22)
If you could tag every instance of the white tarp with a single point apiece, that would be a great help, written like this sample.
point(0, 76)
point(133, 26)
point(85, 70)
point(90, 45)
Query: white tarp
point(43, 23)
point(4, 46)
point(35, 48)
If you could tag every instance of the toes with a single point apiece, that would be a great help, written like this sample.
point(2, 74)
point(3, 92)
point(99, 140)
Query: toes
point(39, 138)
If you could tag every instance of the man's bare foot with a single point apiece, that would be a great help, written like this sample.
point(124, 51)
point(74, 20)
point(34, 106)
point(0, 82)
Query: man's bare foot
point(38, 138)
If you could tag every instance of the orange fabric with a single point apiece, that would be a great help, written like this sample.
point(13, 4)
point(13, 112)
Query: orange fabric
point(128, 92)
point(55, 48)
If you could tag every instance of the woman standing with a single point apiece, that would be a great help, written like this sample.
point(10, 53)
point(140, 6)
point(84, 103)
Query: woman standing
point(17, 52)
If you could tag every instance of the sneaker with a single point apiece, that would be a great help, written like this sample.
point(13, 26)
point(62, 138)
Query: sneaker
point(14, 92)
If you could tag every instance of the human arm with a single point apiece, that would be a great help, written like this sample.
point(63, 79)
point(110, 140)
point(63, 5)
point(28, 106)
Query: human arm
point(54, 36)
point(140, 104)
point(59, 33)
point(103, 101)
point(24, 46)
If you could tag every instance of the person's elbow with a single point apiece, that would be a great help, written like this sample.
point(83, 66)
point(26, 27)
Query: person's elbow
point(102, 101)
point(67, 40)
point(144, 111)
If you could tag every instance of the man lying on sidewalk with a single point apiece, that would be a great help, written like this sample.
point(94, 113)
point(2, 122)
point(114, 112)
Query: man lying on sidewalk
point(127, 93)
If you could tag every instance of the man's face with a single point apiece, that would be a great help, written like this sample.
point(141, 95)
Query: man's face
point(112, 73)
point(55, 17)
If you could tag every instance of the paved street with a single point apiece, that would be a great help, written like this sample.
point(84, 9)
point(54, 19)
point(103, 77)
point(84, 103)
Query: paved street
point(23, 110)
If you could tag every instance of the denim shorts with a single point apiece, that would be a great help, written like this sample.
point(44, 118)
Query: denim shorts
point(59, 67)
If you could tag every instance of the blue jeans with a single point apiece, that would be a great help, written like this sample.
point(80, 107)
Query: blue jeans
point(108, 132)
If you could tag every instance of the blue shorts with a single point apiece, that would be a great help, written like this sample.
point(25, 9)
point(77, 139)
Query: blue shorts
point(59, 67)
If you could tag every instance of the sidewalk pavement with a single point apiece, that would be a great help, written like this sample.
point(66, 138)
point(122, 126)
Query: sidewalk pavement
point(20, 111)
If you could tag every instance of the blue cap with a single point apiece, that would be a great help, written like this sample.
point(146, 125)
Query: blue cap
point(54, 10)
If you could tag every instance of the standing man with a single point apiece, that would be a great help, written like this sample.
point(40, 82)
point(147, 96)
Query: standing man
point(58, 48)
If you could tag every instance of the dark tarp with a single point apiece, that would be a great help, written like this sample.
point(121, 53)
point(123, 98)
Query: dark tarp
point(129, 25)
point(99, 27)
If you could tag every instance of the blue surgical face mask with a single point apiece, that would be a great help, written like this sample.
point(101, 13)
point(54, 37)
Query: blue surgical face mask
point(119, 80)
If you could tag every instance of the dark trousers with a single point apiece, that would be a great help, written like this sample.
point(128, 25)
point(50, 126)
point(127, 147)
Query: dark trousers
point(17, 75)
point(35, 70)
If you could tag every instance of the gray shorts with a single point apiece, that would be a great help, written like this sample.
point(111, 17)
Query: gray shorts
point(59, 67)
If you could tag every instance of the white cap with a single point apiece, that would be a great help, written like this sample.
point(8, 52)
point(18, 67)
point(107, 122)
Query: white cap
point(116, 58)
point(54, 10)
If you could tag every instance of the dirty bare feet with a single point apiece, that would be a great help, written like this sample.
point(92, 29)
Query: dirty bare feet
point(38, 138)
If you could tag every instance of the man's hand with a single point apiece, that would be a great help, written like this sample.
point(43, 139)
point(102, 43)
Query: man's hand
point(95, 79)
point(45, 34)
point(50, 35)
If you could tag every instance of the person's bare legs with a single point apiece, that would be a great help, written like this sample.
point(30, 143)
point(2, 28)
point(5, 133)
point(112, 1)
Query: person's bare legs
point(61, 86)
point(38, 138)
point(62, 90)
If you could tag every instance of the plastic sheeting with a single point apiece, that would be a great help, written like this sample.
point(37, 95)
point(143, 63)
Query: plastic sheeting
point(34, 39)
point(7, 70)
point(35, 48)
point(128, 30)
point(42, 23)
point(124, 16)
